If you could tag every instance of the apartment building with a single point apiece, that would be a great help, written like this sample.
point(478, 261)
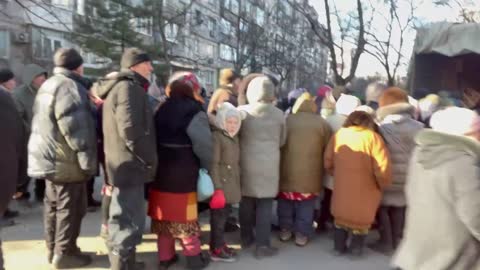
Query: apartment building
point(208, 35)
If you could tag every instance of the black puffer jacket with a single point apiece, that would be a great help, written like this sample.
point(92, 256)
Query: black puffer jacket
point(63, 144)
point(128, 130)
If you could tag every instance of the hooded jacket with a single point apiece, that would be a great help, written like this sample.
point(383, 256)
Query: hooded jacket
point(442, 228)
point(24, 95)
point(63, 144)
point(399, 130)
point(302, 155)
point(225, 169)
point(261, 137)
point(129, 134)
point(223, 94)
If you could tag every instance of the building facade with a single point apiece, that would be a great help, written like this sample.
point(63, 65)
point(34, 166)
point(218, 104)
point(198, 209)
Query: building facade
point(200, 35)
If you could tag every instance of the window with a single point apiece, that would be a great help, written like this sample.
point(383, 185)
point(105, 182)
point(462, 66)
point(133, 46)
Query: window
point(47, 48)
point(196, 47)
point(208, 50)
point(232, 5)
point(81, 7)
point(4, 44)
point(143, 26)
point(247, 8)
point(243, 25)
point(208, 77)
point(212, 25)
point(260, 16)
point(212, 2)
point(227, 53)
point(226, 27)
point(57, 45)
point(171, 32)
point(198, 17)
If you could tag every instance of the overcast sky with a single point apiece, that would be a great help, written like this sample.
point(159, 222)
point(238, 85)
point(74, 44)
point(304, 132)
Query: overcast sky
point(426, 12)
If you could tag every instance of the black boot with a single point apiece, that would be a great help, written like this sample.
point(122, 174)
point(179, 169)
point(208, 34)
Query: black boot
point(70, 261)
point(384, 245)
point(117, 262)
point(163, 265)
point(356, 246)
point(198, 262)
point(340, 241)
point(133, 264)
point(398, 223)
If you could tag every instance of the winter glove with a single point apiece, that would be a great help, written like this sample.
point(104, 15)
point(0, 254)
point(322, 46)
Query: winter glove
point(218, 200)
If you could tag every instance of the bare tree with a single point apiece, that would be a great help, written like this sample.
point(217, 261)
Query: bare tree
point(466, 12)
point(387, 47)
point(352, 33)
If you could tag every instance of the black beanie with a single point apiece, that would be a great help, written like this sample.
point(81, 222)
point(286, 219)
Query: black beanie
point(133, 56)
point(67, 58)
point(6, 75)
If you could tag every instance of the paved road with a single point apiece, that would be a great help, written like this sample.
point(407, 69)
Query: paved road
point(24, 249)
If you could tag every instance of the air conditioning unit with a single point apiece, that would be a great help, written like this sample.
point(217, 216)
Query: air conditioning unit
point(210, 61)
point(22, 37)
point(212, 33)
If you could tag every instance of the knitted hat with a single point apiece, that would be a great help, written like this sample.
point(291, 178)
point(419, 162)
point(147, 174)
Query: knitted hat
point(392, 95)
point(323, 90)
point(227, 76)
point(428, 105)
point(67, 58)
point(133, 56)
point(455, 121)
point(365, 108)
point(347, 104)
point(6, 75)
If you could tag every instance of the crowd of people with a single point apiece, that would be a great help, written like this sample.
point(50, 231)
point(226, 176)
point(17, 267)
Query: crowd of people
point(408, 168)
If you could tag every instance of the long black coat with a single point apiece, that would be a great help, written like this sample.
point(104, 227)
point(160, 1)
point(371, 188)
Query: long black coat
point(12, 145)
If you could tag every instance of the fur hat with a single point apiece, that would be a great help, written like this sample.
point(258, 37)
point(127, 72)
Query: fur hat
point(347, 104)
point(455, 121)
point(392, 95)
point(68, 58)
point(261, 90)
point(227, 76)
point(132, 57)
point(6, 75)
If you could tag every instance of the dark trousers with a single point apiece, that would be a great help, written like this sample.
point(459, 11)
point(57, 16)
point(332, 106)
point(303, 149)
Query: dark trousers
point(256, 220)
point(218, 220)
point(127, 220)
point(391, 221)
point(65, 207)
point(90, 188)
point(296, 216)
point(325, 214)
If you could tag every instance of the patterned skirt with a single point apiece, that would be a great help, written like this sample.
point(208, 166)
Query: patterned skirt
point(174, 214)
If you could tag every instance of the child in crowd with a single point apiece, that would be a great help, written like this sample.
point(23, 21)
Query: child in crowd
point(225, 172)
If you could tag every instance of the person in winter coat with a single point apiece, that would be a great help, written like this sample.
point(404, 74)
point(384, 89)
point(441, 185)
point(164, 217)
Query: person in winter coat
point(225, 172)
point(301, 170)
point(227, 92)
point(263, 134)
point(12, 143)
point(398, 129)
point(130, 156)
point(63, 150)
point(24, 96)
point(7, 80)
point(442, 228)
point(184, 145)
point(345, 105)
point(358, 159)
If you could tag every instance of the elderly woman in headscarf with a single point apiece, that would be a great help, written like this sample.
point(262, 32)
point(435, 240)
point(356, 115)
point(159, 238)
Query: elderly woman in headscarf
point(184, 145)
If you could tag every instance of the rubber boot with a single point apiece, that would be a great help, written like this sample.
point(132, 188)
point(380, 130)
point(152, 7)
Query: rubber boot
point(356, 246)
point(340, 241)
